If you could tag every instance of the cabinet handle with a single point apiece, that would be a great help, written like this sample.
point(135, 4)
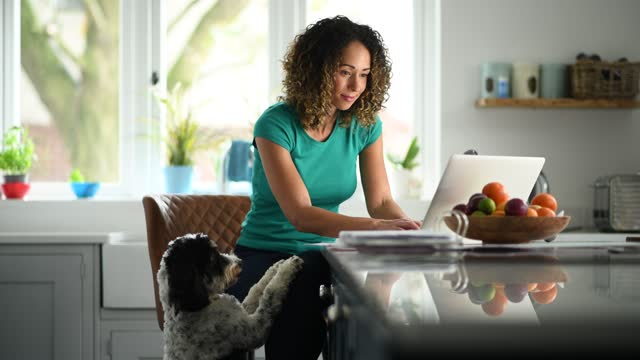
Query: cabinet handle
point(338, 312)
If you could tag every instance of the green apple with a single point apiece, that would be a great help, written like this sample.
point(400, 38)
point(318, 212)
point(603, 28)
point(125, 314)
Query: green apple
point(487, 206)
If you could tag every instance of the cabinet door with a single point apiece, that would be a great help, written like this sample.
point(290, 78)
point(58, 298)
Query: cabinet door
point(135, 345)
point(130, 335)
point(42, 305)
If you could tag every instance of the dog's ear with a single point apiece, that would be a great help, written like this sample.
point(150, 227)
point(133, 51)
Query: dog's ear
point(188, 272)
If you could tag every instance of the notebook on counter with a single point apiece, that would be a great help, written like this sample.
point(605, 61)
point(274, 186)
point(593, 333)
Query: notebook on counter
point(357, 237)
point(401, 240)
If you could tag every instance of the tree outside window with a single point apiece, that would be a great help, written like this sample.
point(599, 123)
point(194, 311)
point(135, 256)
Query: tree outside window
point(70, 61)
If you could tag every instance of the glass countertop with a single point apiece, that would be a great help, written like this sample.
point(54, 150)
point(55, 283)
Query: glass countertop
point(485, 286)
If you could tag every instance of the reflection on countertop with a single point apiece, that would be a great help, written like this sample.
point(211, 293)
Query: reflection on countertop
point(556, 285)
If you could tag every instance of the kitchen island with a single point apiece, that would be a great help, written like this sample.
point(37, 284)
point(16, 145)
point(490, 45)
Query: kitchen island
point(576, 296)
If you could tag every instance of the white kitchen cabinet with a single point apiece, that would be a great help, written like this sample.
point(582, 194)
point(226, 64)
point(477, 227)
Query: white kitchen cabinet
point(49, 301)
point(130, 335)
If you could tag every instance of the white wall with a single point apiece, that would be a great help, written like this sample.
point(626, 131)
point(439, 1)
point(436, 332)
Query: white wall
point(579, 145)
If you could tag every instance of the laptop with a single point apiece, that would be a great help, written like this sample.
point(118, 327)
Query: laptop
point(464, 176)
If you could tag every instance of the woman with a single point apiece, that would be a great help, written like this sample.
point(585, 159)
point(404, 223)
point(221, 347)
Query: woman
point(337, 75)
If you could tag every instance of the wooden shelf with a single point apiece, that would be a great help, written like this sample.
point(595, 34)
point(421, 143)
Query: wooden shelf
point(559, 103)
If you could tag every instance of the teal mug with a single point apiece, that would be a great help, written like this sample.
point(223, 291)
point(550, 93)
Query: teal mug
point(554, 81)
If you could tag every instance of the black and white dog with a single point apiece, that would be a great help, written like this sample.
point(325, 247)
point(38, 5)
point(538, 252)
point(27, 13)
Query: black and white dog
point(200, 320)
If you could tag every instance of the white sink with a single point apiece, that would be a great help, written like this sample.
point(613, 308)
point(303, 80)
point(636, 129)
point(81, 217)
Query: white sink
point(126, 275)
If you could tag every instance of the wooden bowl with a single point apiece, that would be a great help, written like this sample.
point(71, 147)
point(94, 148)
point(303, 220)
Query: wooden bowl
point(510, 229)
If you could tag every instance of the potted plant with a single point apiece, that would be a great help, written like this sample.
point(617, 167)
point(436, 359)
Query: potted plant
point(183, 138)
point(16, 158)
point(406, 185)
point(81, 188)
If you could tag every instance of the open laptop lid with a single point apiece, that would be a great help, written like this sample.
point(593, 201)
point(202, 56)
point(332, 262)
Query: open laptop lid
point(466, 175)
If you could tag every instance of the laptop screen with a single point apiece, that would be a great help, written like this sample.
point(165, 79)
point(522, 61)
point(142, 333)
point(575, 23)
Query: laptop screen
point(466, 175)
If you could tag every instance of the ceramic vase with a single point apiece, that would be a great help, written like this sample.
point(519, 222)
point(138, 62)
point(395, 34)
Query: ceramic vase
point(15, 186)
point(178, 179)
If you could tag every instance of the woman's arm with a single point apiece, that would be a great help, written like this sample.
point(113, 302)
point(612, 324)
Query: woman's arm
point(292, 196)
point(375, 184)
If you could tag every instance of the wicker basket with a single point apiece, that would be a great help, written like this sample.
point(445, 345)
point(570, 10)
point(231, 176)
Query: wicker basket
point(601, 79)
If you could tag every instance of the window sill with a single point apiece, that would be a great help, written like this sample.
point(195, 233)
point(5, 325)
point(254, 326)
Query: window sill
point(66, 214)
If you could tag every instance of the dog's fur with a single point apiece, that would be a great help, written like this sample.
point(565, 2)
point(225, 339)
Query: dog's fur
point(200, 321)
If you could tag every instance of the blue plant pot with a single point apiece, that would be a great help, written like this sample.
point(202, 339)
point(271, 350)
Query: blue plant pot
point(178, 179)
point(85, 190)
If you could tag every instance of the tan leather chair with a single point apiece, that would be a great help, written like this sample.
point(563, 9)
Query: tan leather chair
point(171, 216)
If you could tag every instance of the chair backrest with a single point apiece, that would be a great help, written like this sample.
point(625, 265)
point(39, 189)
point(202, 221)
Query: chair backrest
point(171, 216)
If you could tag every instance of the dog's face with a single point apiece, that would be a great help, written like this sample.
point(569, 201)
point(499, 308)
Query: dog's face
point(196, 270)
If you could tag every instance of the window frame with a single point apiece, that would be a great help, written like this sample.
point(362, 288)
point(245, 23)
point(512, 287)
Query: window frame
point(142, 53)
point(427, 92)
point(9, 64)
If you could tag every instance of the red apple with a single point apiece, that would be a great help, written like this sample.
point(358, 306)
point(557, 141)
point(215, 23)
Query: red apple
point(516, 207)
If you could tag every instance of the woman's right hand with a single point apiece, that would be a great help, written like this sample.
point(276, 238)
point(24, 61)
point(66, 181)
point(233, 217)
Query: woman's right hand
point(396, 224)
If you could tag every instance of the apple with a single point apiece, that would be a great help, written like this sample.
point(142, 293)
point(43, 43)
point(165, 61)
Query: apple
point(474, 200)
point(462, 208)
point(516, 207)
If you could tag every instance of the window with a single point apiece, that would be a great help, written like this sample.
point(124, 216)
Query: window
point(81, 88)
point(218, 52)
point(395, 25)
point(69, 87)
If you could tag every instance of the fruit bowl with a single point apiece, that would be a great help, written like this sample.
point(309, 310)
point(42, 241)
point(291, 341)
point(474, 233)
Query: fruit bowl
point(510, 229)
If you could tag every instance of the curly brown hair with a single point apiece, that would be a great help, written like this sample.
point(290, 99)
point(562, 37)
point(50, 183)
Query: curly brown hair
point(313, 59)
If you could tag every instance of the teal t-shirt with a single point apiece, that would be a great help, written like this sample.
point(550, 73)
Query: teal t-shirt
point(327, 168)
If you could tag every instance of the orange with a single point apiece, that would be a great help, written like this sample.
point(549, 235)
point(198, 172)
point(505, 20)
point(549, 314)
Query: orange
point(495, 306)
point(492, 187)
point(543, 211)
point(532, 212)
point(545, 286)
point(545, 200)
point(498, 213)
point(496, 192)
point(545, 297)
point(531, 286)
point(500, 197)
point(500, 206)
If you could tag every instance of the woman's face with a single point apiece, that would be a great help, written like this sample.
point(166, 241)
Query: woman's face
point(351, 77)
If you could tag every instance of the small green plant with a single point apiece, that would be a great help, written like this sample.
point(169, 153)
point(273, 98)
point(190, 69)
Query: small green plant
point(17, 152)
point(184, 137)
point(76, 176)
point(409, 161)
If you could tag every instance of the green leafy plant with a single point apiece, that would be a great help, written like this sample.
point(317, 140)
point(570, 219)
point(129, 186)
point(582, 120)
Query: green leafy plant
point(184, 136)
point(17, 152)
point(409, 161)
point(76, 176)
